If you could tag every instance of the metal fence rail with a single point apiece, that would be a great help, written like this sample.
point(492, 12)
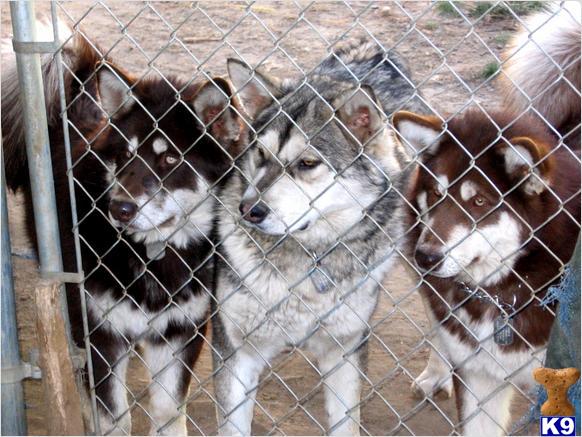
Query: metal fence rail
point(13, 417)
point(213, 276)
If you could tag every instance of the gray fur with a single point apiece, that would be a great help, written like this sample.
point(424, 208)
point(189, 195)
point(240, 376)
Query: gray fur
point(12, 113)
point(266, 301)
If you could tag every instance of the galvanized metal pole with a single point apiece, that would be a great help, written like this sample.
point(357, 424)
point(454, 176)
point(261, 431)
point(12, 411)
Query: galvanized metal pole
point(56, 361)
point(36, 136)
point(37, 139)
point(13, 416)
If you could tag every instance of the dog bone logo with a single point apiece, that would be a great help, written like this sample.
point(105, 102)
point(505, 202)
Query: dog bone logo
point(557, 382)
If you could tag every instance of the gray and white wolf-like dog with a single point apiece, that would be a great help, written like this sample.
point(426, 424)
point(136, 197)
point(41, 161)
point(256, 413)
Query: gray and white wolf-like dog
point(311, 222)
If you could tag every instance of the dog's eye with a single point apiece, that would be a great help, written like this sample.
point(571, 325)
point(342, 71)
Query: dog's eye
point(171, 159)
point(127, 154)
point(479, 201)
point(438, 192)
point(308, 163)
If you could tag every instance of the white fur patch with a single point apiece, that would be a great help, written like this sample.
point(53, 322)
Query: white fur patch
point(442, 184)
point(165, 366)
point(297, 204)
point(252, 191)
point(133, 144)
point(115, 422)
point(468, 190)
point(293, 148)
point(538, 56)
point(115, 94)
point(422, 202)
point(193, 218)
point(515, 157)
point(485, 255)
point(535, 184)
point(270, 141)
point(342, 391)
point(239, 390)
point(178, 217)
point(110, 174)
point(437, 375)
point(486, 370)
point(125, 318)
point(160, 146)
point(211, 96)
point(518, 156)
point(421, 138)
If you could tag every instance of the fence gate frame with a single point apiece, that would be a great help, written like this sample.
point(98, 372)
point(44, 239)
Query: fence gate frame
point(54, 334)
point(64, 387)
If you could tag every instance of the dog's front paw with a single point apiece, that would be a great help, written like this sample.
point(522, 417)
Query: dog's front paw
point(176, 427)
point(432, 380)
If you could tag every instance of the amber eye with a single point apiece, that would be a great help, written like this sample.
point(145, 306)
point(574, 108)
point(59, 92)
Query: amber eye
point(437, 192)
point(479, 201)
point(308, 163)
point(128, 154)
point(171, 159)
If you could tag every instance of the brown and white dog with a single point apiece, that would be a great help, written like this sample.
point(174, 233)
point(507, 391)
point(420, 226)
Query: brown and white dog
point(497, 203)
point(147, 155)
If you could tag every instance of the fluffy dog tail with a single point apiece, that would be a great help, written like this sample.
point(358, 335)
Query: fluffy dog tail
point(77, 55)
point(543, 67)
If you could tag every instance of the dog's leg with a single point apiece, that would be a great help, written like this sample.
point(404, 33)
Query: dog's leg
point(342, 386)
point(110, 356)
point(436, 375)
point(170, 364)
point(483, 404)
point(235, 385)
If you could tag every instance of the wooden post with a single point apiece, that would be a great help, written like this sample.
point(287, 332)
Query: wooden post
point(64, 416)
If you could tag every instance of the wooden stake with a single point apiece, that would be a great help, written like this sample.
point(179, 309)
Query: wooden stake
point(61, 395)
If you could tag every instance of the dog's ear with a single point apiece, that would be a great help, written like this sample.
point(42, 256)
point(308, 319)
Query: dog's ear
point(255, 88)
point(422, 132)
point(360, 112)
point(215, 108)
point(114, 85)
point(523, 156)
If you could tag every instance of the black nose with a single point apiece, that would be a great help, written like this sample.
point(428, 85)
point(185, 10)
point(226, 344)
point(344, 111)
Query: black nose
point(427, 258)
point(122, 210)
point(253, 211)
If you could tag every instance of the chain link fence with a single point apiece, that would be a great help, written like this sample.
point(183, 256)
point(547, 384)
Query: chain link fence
point(267, 240)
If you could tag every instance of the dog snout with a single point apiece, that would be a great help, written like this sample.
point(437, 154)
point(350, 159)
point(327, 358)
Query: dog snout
point(253, 211)
point(426, 257)
point(122, 210)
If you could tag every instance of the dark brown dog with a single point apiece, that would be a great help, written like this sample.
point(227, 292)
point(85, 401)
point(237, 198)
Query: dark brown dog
point(147, 155)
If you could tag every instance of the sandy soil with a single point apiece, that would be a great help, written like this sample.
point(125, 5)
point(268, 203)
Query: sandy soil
point(447, 55)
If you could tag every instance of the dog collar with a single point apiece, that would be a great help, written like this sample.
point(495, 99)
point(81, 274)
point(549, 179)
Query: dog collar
point(503, 331)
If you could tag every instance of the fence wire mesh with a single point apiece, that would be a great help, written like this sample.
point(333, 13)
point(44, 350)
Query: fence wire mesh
point(280, 246)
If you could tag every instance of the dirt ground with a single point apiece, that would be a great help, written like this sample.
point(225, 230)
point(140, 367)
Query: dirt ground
point(447, 56)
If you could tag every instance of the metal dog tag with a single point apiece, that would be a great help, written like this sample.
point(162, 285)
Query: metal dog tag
point(156, 251)
point(503, 331)
point(320, 280)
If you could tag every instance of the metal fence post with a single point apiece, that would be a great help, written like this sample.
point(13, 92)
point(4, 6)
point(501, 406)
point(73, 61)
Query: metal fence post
point(37, 139)
point(52, 313)
point(13, 416)
point(38, 148)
